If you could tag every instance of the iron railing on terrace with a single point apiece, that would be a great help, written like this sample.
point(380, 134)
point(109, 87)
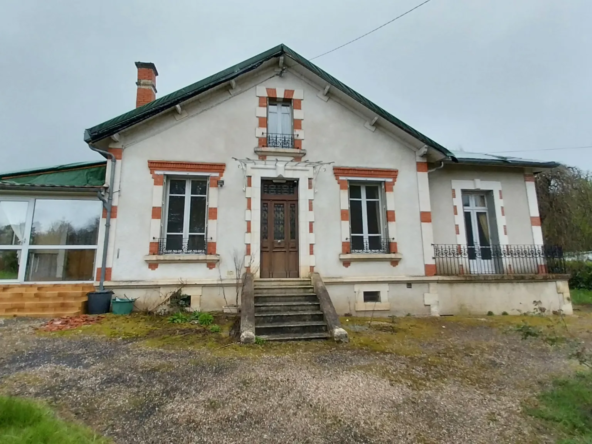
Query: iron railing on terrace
point(174, 244)
point(280, 140)
point(455, 260)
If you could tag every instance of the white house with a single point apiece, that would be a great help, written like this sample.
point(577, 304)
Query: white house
point(276, 165)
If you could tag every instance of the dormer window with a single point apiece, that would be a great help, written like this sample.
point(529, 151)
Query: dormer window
point(280, 132)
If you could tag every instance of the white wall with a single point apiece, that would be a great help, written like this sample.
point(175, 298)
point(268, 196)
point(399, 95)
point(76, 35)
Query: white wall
point(514, 201)
point(218, 133)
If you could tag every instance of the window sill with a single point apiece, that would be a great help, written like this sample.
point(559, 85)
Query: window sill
point(280, 152)
point(373, 306)
point(187, 258)
point(370, 257)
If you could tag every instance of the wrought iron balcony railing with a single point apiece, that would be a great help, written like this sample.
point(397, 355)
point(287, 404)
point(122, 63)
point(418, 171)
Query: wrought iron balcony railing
point(370, 244)
point(280, 140)
point(454, 260)
point(176, 244)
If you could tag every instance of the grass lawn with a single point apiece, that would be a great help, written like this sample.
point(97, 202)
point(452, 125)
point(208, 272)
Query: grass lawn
point(581, 296)
point(27, 422)
point(567, 408)
point(5, 274)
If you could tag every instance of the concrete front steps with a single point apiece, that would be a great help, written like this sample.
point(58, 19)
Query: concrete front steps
point(43, 301)
point(288, 310)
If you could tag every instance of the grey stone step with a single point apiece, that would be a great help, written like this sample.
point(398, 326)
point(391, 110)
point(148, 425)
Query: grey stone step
point(295, 337)
point(281, 298)
point(295, 328)
point(288, 316)
point(285, 306)
point(292, 289)
point(282, 281)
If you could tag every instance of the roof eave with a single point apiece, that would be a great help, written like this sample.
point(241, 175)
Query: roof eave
point(517, 163)
point(48, 188)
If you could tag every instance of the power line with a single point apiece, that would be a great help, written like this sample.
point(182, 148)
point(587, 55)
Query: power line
point(374, 30)
point(546, 149)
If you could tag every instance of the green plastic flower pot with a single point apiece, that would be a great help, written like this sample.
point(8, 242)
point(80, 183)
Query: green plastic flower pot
point(122, 306)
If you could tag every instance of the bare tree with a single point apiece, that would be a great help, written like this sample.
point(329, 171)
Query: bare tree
point(565, 205)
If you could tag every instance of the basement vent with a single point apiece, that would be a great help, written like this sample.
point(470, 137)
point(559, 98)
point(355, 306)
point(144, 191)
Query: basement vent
point(372, 296)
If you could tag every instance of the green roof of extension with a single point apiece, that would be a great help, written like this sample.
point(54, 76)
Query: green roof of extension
point(72, 175)
point(157, 106)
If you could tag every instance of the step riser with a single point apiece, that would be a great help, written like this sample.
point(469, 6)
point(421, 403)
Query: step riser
point(283, 308)
point(13, 300)
point(283, 290)
point(281, 318)
point(42, 315)
point(269, 330)
point(278, 299)
point(48, 289)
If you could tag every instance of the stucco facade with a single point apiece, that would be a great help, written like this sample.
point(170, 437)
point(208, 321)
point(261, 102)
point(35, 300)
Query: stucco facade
point(221, 135)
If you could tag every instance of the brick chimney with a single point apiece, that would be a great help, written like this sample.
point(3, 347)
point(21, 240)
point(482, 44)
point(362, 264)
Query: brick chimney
point(146, 83)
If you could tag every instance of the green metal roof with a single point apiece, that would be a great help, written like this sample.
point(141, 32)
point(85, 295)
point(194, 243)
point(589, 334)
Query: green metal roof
point(72, 175)
point(157, 106)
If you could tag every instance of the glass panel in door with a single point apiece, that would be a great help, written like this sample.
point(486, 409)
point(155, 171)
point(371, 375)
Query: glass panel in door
point(14, 217)
point(478, 233)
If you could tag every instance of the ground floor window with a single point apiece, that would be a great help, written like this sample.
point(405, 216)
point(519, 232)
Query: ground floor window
point(48, 239)
point(186, 216)
point(367, 218)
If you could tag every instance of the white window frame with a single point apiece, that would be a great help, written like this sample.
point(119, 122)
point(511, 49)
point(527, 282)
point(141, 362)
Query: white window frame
point(186, 213)
point(280, 104)
point(26, 247)
point(473, 209)
point(382, 215)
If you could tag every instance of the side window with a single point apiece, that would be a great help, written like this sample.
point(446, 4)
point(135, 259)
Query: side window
point(367, 218)
point(186, 217)
point(279, 124)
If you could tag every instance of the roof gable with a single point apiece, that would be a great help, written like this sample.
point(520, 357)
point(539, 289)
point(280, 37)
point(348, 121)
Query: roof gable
point(164, 103)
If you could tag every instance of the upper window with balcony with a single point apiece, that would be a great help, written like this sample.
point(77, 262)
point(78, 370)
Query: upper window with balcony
point(280, 133)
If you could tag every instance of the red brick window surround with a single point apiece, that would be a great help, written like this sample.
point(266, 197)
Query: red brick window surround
point(346, 177)
point(279, 118)
point(159, 168)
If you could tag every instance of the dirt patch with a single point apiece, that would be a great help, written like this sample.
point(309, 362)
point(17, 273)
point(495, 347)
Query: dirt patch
point(69, 322)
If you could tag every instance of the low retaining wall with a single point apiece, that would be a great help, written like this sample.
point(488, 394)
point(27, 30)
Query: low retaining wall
point(399, 296)
point(437, 296)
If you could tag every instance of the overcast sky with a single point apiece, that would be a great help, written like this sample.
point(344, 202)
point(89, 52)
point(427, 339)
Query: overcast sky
point(481, 75)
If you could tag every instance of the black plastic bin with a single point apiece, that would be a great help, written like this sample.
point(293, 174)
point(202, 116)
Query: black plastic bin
point(99, 302)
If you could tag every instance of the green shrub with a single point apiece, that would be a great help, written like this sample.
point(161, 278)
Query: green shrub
point(490, 313)
point(259, 340)
point(178, 318)
point(194, 316)
point(504, 313)
point(580, 274)
point(205, 319)
point(214, 328)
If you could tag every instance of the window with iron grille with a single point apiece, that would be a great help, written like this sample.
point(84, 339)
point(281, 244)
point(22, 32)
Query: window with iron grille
point(367, 218)
point(280, 132)
point(186, 217)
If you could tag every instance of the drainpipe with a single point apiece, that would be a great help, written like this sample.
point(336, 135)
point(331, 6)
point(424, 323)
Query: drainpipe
point(107, 203)
point(437, 168)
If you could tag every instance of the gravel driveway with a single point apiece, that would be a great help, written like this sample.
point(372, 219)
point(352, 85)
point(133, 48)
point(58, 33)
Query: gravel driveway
point(416, 381)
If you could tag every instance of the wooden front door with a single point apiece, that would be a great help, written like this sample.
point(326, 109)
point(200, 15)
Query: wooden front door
point(279, 229)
